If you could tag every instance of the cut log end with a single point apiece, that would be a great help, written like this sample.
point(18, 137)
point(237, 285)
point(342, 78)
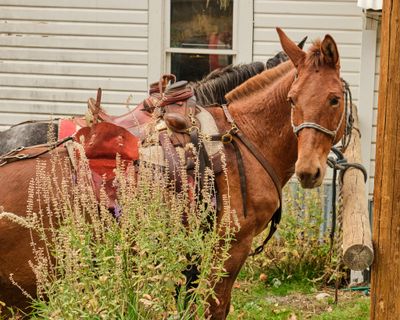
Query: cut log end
point(358, 257)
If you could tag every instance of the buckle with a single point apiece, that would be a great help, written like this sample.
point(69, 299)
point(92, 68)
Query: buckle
point(226, 138)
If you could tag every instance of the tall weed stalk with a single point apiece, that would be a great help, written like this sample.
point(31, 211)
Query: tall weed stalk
point(90, 265)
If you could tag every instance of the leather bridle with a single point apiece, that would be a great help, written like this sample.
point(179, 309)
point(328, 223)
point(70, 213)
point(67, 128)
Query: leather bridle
point(318, 127)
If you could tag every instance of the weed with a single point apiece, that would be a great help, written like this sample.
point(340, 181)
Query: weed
point(91, 265)
point(300, 251)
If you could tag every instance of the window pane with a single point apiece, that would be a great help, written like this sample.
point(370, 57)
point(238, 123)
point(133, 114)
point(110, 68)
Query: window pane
point(194, 24)
point(193, 67)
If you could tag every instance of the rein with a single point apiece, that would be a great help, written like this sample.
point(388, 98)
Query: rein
point(15, 155)
point(228, 137)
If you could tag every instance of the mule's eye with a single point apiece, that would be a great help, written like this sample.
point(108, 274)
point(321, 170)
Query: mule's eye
point(334, 101)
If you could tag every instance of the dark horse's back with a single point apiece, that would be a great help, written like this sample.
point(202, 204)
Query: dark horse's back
point(26, 134)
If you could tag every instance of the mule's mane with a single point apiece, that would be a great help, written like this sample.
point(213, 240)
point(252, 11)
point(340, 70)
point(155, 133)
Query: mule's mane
point(258, 82)
point(212, 88)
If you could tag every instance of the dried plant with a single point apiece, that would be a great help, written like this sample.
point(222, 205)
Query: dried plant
point(89, 264)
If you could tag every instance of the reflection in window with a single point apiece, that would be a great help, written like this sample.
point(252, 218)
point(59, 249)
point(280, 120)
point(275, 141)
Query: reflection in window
point(194, 67)
point(196, 24)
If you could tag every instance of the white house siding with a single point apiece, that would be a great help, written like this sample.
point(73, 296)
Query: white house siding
point(313, 18)
point(55, 54)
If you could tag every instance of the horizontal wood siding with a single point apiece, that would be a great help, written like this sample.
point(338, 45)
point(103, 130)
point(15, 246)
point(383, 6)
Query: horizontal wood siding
point(313, 18)
point(55, 54)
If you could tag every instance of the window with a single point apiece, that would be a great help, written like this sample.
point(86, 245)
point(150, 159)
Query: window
point(199, 37)
point(191, 38)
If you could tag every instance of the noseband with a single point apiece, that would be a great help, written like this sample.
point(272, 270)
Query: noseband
point(318, 127)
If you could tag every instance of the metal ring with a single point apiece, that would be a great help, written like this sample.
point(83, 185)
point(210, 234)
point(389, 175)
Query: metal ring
point(190, 129)
point(226, 138)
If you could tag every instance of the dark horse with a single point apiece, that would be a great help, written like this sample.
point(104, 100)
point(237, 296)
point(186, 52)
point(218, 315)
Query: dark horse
point(210, 90)
point(288, 117)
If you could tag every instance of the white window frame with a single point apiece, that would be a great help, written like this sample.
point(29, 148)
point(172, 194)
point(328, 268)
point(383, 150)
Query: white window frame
point(159, 56)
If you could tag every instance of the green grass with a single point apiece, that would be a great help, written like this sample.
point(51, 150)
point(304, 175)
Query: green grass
point(255, 300)
point(357, 309)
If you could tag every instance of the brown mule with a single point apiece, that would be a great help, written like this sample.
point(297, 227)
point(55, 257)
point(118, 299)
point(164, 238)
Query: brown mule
point(303, 97)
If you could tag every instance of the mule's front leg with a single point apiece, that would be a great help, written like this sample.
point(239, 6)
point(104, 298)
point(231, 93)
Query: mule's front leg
point(239, 251)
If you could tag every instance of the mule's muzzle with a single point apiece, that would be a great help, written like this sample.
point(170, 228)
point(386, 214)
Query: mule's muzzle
point(309, 176)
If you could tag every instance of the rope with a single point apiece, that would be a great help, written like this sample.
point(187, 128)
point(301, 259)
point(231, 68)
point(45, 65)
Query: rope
point(339, 164)
point(337, 246)
point(348, 100)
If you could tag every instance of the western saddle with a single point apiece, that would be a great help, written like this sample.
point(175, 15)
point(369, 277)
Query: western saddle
point(168, 119)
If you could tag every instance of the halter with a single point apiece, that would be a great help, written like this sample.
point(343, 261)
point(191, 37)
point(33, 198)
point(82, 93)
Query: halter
point(318, 127)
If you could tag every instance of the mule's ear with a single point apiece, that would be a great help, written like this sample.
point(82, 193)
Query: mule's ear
point(292, 50)
point(330, 51)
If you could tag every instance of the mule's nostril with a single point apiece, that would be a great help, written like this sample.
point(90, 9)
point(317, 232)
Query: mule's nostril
point(300, 176)
point(318, 174)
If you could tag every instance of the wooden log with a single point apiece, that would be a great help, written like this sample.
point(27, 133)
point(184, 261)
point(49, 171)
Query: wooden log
point(358, 252)
point(385, 288)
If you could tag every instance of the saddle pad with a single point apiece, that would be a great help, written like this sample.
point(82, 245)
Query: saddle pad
point(208, 128)
point(66, 128)
point(155, 154)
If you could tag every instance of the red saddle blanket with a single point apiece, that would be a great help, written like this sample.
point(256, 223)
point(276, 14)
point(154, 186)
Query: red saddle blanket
point(102, 143)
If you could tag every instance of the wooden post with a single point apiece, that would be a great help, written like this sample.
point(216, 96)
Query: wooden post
point(385, 285)
point(357, 242)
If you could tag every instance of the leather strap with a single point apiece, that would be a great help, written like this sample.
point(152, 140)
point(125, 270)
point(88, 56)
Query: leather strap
point(235, 131)
point(276, 217)
point(228, 137)
point(227, 114)
point(182, 95)
point(204, 160)
point(261, 159)
point(174, 163)
point(242, 176)
point(15, 155)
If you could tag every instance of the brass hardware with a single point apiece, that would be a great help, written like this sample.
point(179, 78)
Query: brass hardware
point(226, 138)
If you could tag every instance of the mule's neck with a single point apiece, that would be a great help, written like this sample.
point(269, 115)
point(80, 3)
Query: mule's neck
point(265, 119)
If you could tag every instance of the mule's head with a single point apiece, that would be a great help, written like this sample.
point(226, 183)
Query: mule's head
point(317, 100)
